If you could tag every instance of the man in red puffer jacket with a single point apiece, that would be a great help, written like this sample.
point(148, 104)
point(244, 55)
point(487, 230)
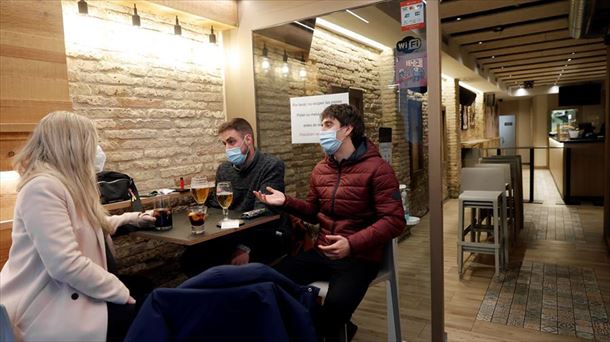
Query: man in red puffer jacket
point(354, 196)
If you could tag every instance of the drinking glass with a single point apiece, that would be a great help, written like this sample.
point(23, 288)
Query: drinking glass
point(224, 196)
point(197, 215)
point(162, 213)
point(200, 189)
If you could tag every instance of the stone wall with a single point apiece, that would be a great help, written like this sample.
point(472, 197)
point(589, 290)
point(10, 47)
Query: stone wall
point(452, 148)
point(156, 98)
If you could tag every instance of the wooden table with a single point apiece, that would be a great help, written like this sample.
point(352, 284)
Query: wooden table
point(181, 231)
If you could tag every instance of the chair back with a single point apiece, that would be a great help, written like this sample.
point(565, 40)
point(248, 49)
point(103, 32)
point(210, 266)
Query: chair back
point(6, 328)
point(504, 167)
point(482, 179)
point(388, 264)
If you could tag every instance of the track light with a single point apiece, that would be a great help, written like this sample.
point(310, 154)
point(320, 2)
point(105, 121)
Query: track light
point(177, 28)
point(212, 36)
point(303, 72)
point(135, 18)
point(265, 64)
point(83, 8)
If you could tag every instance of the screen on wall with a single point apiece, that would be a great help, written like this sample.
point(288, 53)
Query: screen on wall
point(580, 95)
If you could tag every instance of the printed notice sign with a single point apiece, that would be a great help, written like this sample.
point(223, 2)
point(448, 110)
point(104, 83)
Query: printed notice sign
point(305, 115)
point(412, 15)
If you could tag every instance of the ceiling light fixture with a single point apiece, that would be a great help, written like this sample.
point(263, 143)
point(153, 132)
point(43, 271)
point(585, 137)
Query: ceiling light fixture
point(135, 18)
point(458, 19)
point(212, 36)
point(265, 64)
point(177, 27)
point(480, 42)
point(350, 34)
point(569, 59)
point(573, 52)
point(303, 71)
point(498, 29)
point(303, 25)
point(493, 57)
point(357, 16)
point(285, 67)
point(83, 8)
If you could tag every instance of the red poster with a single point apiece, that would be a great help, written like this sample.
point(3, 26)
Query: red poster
point(412, 15)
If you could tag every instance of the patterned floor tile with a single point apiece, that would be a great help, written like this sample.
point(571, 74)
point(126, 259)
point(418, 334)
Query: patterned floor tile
point(556, 299)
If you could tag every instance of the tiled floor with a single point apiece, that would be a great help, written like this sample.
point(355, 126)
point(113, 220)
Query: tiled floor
point(554, 298)
point(559, 222)
point(546, 297)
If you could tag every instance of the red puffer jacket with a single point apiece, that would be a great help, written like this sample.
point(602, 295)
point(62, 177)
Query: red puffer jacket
point(357, 198)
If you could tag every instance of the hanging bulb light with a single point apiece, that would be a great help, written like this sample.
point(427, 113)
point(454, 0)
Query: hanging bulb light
point(83, 8)
point(303, 71)
point(285, 67)
point(177, 28)
point(135, 18)
point(266, 65)
point(212, 36)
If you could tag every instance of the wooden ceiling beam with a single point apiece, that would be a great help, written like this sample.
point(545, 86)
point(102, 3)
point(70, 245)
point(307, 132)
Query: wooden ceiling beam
point(533, 71)
point(551, 75)
point(513, 31)
point(569, 43)
point(530, 61)
point(560, 81)
point(561, 62)
point(565, 82)
point(507, 17)
point(462, 7)
point(528, 39)
point(545, 53)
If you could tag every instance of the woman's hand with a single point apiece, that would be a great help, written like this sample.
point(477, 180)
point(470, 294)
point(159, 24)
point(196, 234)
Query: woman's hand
point(145, 219)
point(275, 198)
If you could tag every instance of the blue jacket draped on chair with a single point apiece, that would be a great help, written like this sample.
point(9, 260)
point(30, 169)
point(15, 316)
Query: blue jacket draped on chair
point(229, 303)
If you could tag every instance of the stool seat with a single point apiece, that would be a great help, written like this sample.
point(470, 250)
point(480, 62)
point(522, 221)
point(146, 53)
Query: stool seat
point(479, 195)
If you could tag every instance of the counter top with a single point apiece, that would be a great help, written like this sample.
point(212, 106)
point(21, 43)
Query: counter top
point(579, 140)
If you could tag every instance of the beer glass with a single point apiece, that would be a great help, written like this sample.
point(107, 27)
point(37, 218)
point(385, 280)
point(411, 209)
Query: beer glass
point(224, 196)
point(200, 189)
point(162, 213)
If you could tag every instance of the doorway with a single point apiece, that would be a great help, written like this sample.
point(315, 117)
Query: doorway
point(507, 133)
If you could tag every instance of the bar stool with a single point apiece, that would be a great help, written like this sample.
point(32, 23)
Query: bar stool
point(387, 273)
point(510, 200)
point(483, 188)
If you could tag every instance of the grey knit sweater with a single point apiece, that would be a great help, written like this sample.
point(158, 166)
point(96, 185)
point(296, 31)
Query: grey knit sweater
point(264, 170)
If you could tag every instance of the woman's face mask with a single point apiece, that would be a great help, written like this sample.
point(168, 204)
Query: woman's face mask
point(100, 159)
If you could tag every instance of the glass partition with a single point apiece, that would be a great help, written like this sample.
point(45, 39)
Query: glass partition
point(380, 67)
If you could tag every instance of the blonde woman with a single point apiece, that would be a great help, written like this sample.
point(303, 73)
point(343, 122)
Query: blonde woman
point(55, 284)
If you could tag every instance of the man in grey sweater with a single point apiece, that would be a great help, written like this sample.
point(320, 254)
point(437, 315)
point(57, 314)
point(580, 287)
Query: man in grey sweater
point(248, 170)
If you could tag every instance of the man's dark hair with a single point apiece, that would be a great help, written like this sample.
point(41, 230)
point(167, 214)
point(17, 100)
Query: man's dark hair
point(240, 125)
point(346, 115)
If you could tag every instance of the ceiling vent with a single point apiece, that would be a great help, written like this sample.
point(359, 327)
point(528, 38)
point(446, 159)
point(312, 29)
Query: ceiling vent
point(589, 18)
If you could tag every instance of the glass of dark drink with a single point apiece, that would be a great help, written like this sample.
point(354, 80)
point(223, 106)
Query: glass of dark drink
point(197, 215)
point(162, 213)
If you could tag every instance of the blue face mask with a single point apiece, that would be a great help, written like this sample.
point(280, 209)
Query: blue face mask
point(329, 142)
point(235, 156)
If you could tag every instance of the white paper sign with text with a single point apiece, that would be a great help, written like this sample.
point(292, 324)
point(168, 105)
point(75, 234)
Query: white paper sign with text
point(305, 115)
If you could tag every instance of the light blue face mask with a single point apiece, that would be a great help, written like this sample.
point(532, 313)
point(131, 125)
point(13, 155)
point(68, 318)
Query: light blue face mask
point(235, 156)
point(329, 142)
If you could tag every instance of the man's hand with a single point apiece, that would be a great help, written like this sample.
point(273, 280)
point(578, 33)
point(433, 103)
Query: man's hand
point(339, 249)
point(240, 257)
point(275, 198)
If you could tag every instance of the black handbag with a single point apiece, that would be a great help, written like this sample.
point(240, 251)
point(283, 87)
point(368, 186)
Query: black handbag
point(116, 187)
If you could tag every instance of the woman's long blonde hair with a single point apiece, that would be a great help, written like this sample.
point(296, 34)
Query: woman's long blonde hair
point(63, 146)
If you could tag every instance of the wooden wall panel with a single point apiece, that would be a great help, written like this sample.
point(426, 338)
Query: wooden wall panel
point(33, 72)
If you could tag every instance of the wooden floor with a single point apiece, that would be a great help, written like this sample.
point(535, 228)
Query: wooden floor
point(463, 297)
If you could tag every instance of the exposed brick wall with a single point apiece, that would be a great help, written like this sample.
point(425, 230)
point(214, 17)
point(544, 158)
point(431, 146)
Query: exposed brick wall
point(156, 100)
point(452, 161)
